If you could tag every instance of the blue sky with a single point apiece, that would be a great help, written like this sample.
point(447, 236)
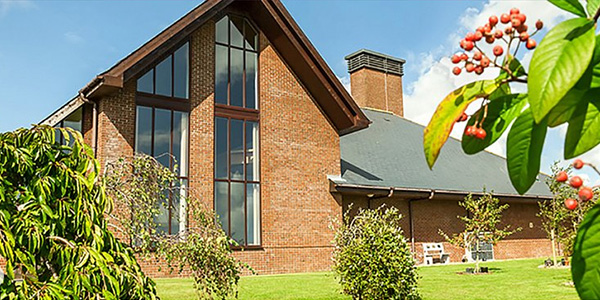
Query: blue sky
point(50, 49)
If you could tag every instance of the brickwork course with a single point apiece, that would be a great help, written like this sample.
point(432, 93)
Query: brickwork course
point(300, 151)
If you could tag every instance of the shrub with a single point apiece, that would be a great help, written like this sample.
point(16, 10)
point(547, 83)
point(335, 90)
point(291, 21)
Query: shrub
point(142, 187)
point(53, 229)
point(372, 258)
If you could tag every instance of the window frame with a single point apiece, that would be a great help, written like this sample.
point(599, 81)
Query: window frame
point(61, 124)
point(241, 113)
point(470, 250)
point(229, 46)
point(187, 170)
point(162, 101)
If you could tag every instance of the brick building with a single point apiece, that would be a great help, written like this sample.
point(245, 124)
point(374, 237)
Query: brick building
point(265, 133)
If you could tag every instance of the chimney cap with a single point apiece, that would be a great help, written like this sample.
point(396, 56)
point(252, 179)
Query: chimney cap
point(374, 60)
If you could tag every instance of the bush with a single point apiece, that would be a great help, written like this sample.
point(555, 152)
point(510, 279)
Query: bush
point(53, 230)
point(372, 258)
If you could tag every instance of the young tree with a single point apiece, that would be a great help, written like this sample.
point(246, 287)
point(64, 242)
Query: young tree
point(143, 188)
point(563, 86)
point(372, 258)
point(484, 215)
point(53, 228)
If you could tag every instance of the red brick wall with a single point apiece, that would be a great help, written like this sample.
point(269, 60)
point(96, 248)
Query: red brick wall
point(369, 90)
point(429, 216)
point(298, 149)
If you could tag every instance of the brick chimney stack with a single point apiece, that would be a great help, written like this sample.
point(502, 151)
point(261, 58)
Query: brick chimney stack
point(376, 80)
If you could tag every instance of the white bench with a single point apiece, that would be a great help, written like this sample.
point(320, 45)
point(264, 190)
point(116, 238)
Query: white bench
point(433, 251)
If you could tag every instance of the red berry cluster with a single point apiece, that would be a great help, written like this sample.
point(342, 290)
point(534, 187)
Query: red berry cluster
point(473, 131)
point(585, 193)
point(516, 29)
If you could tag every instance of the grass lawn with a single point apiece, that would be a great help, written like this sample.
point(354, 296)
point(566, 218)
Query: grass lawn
point(515, 279)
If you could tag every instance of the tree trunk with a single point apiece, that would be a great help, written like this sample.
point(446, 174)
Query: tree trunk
point(553, 240)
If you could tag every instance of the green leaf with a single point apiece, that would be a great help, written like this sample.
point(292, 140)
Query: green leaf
point(592, 6)
point(572, 6)
point(438, 130)
point(524, 150)
point(582, 134)
point(563, 111)
point(501, 113)
point(558, 63)
point(585, 267)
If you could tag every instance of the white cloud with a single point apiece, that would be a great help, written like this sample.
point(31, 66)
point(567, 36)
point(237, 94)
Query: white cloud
point(73, 38)
point(436, 79)
point(8, 5)
point(346, 82)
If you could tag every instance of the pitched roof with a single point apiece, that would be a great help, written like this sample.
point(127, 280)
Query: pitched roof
point(282, 31)
point(390, 154)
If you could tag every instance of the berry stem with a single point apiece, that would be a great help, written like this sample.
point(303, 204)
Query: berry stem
point(597, 15)
point(594, 168)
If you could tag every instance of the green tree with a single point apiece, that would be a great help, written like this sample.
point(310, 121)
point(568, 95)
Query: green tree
point(143, 188)
point(372, 258)
point(484, 215)
point(53, 230)
point(563, 86)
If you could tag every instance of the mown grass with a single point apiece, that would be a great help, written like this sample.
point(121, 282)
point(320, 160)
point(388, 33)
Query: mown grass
point(514, 279)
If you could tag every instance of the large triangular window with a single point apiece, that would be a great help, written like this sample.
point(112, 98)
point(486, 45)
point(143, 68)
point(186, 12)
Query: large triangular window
point(170, 77)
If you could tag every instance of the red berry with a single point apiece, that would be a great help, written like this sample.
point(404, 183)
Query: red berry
point(522, 17)
point(477, 55)
point(504, 18)
point(487, 28)
point(578, 164)
point(479, 70)
point(530, 44)
point(467, 45)
point(490, 39)
point(477, 36)
point(470, 67)
point(485, 62)
point(480, 133)
point(456, 70)
point(522, 28)
point(524, 36)
point(462, 117)
point(464, 56)
point(470, 130)
point(586, 193)
point(562, 176)
point(480, 29)
point(515, 22)
point(509, 30)
point(498, 50)
point(576, 182)
point(514, 11)
point(539, 24)
point(469, 36)
point(456, 58)
point(498, 34)
point(571, 204)
point(493, 21)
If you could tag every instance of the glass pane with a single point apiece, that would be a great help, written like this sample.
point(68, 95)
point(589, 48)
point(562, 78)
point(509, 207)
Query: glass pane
point(251, 82)
point(236, 29)
point(221, 32)
point(238, 221)
point(237, 149)
point(252, 165)
point(221, 74)
point(145, 83)
point(74, 120)
point(162, 219)
point(143, 134)
point(181, 71)
point(163, 77)
point(250, 36)
point(253, 213)
point(237, 77)
point(162, 136)
point(221, 149)
point(180, 142)
point(222, 204)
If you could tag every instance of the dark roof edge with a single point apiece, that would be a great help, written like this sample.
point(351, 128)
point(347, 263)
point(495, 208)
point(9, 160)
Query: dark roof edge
point(341, 187)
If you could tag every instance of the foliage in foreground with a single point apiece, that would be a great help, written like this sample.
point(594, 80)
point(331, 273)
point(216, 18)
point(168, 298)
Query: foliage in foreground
point(145, 189)
point(563, 87)
point(372, 258)
point(53, 232)
point(484, 214)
